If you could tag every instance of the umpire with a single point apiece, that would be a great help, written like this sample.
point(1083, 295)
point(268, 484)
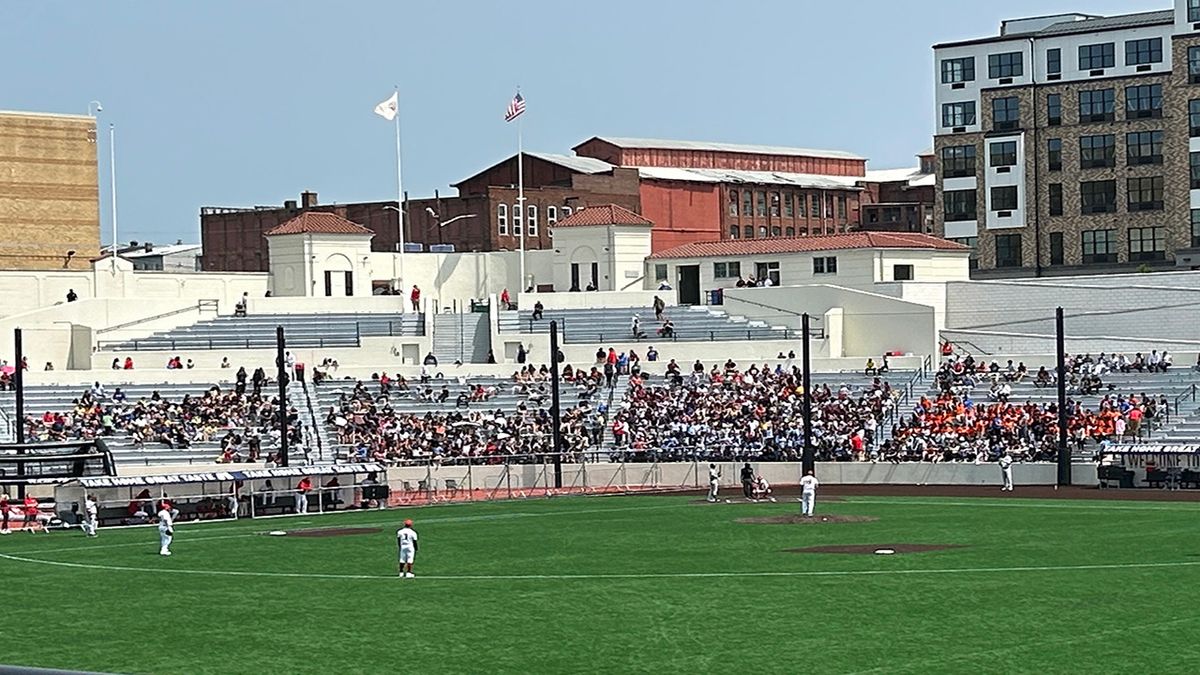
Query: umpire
point(748, 481)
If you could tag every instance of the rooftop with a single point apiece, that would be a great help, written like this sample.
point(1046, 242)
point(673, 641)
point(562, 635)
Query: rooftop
point(1090, 24)
point(827, 242)
point(805, 180)
point(664, 144)
point(317, 222)
point(608, 214)
point(160, 250)
point(574, 163)
point(910, 175)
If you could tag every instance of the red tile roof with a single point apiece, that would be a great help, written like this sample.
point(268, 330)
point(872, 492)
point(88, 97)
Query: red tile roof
point(319, 222)
point(608, 214)
point(827, 242)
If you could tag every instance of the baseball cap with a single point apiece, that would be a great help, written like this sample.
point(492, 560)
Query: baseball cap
point(408, 523)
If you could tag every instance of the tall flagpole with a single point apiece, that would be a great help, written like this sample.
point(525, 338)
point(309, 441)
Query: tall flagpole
point(399, 193)
point(521, 198)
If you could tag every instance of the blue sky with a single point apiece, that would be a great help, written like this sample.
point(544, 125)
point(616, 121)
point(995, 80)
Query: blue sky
point(235, 103)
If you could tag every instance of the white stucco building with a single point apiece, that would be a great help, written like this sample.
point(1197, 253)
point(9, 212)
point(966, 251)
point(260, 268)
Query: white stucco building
point(320, 254)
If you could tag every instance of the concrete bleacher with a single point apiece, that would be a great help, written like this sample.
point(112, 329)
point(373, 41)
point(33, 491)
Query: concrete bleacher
point(600, 324)
point(258, 331)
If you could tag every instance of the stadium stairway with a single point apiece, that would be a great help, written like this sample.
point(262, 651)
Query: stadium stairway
point(258, 331)
point(461, 337)
point(597, 325)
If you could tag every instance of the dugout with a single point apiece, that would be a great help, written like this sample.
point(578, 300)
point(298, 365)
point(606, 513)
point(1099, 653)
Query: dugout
point(223, 495)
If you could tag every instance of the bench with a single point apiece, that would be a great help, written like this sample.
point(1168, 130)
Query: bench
point(1158, 478)
point(1112, 473)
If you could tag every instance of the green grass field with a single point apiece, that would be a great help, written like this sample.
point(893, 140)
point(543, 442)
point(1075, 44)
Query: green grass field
point(654, 584)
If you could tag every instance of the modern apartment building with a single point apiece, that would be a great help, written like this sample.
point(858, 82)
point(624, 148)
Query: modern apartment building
point(1071, 143)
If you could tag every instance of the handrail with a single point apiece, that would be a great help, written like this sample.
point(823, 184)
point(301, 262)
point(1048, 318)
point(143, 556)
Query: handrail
point(910, 387)
point(200, 306)
point(772, 307)
point(968, 343)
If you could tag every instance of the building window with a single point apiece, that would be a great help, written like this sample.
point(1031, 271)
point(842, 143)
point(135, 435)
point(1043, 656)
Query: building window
point(789, 206)
point(1193, 65)
point(1008, 250)
point(727, 270)
point(733, 203)
point(791, 232)
point(1194, 168)
point(1195, 228)
point(958, 70)
point(774, 204)
point(1056, 248)
point(1193, 11)
point(551, 215)
point(825, 265)
point(1194, 118)
point(1053, 109)
point(747, 203)
point(816, 205)
point(1099, 246)
point(1056, 199)
point(1009, 64)
point(1097, 151)
point(566, 212)
point(973, 244)
point(902, 272)
point(762, 231)
point(533, 220)
point(1095, 57)
point(841, 207)
point(1144, 147)
point(1053, 61)
point(1098, 196)
point(735, 232)
point(1054, 153)
point(1138, 52)
point(660, 272)
point(760, 198)
point(959, 204)
point(1006, 113)
point(1003, 153)
point(828, 199)
point(1096, 105)
point(748, 232)
point(958, 114)
point(502, 218)
point(801, 206)
point(1143, 101)
point(1004, 198)
point(958, 161)
point(1147, 243)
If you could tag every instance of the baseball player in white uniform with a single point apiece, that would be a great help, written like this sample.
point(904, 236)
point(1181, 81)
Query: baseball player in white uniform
point(166, 528)
point(1005, 463)
point(714, 480)
point(406, 541)
point(90, 515)
point(808, 493)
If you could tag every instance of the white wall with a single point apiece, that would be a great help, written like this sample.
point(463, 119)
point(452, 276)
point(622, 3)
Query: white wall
point(449, 279)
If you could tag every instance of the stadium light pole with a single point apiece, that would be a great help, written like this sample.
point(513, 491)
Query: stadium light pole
point(555, 413)
point(1064, 453)
point(281, 374)
point(19, 432)
point(806, 460)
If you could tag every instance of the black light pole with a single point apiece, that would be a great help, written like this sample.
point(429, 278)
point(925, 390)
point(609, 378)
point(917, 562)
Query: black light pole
point(555, 413)
point(1064, 453)
point(807, 461)
point(19, 383)
point(282, 375)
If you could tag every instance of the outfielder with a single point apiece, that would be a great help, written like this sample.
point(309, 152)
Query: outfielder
point(714, 480)
point(406, 541)
point(1005, 463)
point(166, 528)
point(90, 515)
point(808, 493)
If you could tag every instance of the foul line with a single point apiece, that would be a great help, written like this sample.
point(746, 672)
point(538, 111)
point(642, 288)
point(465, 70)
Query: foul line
point(1019, 504)
point(598, 577)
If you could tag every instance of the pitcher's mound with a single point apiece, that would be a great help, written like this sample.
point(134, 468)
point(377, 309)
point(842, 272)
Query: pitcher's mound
point(334, 532)
point(797, 519)
point(873, 549)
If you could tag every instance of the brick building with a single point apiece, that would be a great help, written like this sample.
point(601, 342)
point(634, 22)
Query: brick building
point(900, 200)
point(49, 191)
point(1066, 143)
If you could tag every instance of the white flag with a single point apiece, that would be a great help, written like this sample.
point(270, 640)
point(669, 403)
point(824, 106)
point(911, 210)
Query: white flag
point(387, 109)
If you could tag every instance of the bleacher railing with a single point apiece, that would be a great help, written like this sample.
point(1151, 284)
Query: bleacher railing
point(684, 334)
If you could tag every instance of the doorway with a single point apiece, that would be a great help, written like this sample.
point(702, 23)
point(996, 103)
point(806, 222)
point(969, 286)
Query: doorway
point(688, 277)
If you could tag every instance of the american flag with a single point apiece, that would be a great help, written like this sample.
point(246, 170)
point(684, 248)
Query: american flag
point(515, 108)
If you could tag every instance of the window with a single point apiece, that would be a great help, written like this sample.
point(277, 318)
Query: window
point(727, 270)
point(1056, 198)
point(958, 161)
point(1004, 198)
point(841, 206)
point(502, 218)
point(1143, 101)
point(748, 232)
point(828, 199)
point(1193, 9)
point(816, 205)
point(1138, 52)
point(774, 204)
point(1053, 109)
point(1054, 153)
point(1096, 105)
point(1098, 196)
point(776, 231)
point(762, 231)
point(825, 265)
point(733, 202)
point(1057, 251)
point(902, 272)
point(1194, 167)
point(660, 272)
point(789, 206)
point(1194, 118)
point(551, 215)
point(1195, 228)
point(1004, 153)
point(1053, 61)
point(735, 232)
point(973, 244)
point(1095, 57)
point(1144, 147)
point(958, 70)
point(1099, 246)
point(1147, 243)
point(958, 114)
point(959, 204)
point(533, 221)
point(1006, 113)
point(760, 198)
point(768, 270)
point(791, 232)
point(801, 206)
point(747, 203)
point(566, 211)
point(1008, 250)
point(516, 220)
point(1097, 151)
point(1193, 64)
point(1008, 64)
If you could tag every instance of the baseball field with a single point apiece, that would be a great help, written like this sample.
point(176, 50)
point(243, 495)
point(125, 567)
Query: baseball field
point(616, 584)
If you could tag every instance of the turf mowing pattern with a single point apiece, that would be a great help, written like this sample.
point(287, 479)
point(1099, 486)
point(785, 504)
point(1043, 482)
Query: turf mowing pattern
point(649, 584)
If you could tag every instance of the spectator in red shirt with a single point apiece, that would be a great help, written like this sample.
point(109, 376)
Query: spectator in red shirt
point(31, 513)
point(415, 296)
point(4, 514)
point(302, 490)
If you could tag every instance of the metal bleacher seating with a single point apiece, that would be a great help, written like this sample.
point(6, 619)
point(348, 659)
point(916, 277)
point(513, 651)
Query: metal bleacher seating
point(258, 331)
point(600, 324)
